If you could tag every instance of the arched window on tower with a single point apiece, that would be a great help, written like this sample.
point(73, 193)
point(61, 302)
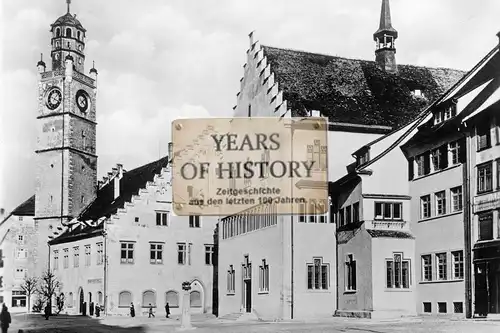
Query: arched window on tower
point(68, 32)
point(79, 35)
point(58, 32)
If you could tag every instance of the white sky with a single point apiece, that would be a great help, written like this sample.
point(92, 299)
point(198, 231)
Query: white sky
point(159, 60)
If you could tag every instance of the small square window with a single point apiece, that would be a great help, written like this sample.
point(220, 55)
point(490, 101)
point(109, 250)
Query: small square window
point(458, 307)
point(442, 307)
point(427, 307)
point(136, 219)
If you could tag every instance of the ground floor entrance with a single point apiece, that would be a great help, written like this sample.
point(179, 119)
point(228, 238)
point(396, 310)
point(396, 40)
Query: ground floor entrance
point(487, 280)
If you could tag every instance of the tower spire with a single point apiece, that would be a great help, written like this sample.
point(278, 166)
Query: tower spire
point(68, 2)
point(385, 36)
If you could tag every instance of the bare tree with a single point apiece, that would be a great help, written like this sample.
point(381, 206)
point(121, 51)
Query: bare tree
point(48, 286)
point(29, 285)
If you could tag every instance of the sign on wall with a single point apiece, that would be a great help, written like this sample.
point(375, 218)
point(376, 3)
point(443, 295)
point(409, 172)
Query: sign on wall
point(223, 166)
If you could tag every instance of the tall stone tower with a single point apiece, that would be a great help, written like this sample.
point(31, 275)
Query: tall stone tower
point(385, 36)
point(66, 161)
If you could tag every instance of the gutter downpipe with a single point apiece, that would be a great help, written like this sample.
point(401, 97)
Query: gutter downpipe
point(105, 282)
point(467, 227)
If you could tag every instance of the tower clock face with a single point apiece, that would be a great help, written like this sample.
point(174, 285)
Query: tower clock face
point(82, 101)
point(54, 98)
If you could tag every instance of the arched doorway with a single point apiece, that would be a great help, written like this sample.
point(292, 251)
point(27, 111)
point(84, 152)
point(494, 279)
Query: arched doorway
point(197, 297)
point(82, 301)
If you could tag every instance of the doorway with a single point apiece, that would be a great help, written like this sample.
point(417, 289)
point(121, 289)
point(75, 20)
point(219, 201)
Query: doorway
point(248, 295)
point(82, 301)
point(494, 287)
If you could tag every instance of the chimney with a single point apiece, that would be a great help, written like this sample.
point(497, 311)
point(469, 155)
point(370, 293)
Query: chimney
point(118, 176)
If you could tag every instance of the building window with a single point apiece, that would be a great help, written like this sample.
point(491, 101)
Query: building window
point(442, 267)
point(264, 277)
point(195, 299)
point(426, 267)
point(156, 253)
point(348, 215)
point(450, 112)
point(425, 206)
point(427, 307)
point(18, 299)
point(485, 177)
point(315, 212)
point(440, 203)
point(20, 273)
point(423, 164)
point(355, 212)
point(20, 238)
point(231, 279)
point(136, 219)
point(65, 258)
point(194, 221)
point(341, 217)
point(316, 153)
point(458, 264)
point(127, 252)
point(455, 152)
point(69, 302)
point(486, 226)
point(100, 253)
point(350, 273)
point(76, 256)
point(148, 298)
point(483, 135)
point(21, 253)
point(458, 307)
point(436, 159)
point(172, 298)
point(56, 260)
point(388, 210)
point(181, 253)
point(162, 218)
point(68, 32)
point(397, 272)
point(87, 255)
point(456, 199)
point(209, 254)
point(498, 172)
point(317, 275)
point(442, 307)
point(124, 299)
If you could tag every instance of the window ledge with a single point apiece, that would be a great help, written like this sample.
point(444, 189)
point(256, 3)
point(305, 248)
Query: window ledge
point(398, 290)
point(441, 281)
point(440, 216)
point(319, 291)
point(230, 294)
point(347, 292)
point(438, 171)
point(263, 293)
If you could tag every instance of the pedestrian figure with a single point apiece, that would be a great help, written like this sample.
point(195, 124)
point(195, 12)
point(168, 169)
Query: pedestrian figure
point(132, 310)
point(5, 319)
point(151, 311)
point(167, 310)
point(97, 310)
point(91, 309)
point(47, 311)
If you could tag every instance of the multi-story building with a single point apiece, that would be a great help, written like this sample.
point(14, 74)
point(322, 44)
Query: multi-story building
point(17, 257)
point(363, 100)
point(129, 247)
point(438, 160)
point(482, 127)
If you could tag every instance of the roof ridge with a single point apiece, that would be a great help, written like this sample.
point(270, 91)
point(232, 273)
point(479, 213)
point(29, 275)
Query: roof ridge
point(356, 59)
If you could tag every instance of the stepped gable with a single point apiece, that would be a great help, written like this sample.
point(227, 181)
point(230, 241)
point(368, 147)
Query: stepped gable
point(130, 184)
point(355, 91)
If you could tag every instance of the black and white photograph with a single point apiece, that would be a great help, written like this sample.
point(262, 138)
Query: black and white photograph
point(250, 166)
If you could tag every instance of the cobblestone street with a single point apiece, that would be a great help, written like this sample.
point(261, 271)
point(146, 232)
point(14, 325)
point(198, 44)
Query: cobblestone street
point(77, 324)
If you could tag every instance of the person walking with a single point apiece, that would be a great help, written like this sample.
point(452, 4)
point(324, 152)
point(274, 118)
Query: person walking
point(97, 310)
point(5, 319)
point(151, 311)
point(132, 310)
point(167, 310)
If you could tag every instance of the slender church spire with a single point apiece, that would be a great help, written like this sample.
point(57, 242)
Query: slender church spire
point(385, 37)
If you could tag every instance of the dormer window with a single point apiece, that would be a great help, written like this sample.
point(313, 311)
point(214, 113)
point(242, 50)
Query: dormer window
point(450, 112)
point(438, 117)
point(363, 157)
point(417, 92)
point(315, 113)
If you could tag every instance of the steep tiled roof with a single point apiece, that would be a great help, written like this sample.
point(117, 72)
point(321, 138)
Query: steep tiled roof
point(79, 232)
point(105, 203)
point(27, 208)
point(355, 91)
point(389, 234)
